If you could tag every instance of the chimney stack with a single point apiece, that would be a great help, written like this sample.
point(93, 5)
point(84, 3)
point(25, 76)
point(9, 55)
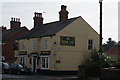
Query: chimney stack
point(15, 22)
point(63, 14)
point(38, 19)
point(3, 28)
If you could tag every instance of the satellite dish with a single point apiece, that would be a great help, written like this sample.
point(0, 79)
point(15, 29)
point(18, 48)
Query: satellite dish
point(44, 12)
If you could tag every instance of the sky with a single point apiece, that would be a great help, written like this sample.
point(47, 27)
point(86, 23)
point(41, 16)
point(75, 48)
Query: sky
point(88, 9)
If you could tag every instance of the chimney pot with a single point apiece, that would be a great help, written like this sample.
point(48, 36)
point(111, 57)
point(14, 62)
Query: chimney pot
point(40, 14)
point(12, 19)
point(35, 14)
point(3, 28)
point(63, 7)
point(15, 22)
point(18, 19)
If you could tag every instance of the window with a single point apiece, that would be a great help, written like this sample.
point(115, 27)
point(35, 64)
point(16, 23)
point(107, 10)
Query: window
point(34, 44)
point(22, 61)
point(22, 45)
point(15, 46)
point(45, 44)
point(44, 62)
point(90, 44)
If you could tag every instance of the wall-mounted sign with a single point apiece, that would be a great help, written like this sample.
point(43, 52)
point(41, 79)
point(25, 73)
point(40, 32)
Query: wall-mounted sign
point(45, 52)
point(69, 41)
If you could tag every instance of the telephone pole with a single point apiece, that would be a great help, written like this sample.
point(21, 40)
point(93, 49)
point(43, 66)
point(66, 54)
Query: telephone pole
point(100, 41)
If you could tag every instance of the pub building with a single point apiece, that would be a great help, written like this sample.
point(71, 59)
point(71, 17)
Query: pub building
point(56, 46)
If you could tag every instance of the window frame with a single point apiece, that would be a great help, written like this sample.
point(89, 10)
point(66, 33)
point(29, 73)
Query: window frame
point(45, 44)
point(47, 60)
point(23, 60)
point(22, 45)
point(34, 45)
point(90, 44)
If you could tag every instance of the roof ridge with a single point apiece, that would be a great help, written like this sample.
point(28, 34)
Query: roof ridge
point(46, 29)
point(62, 20)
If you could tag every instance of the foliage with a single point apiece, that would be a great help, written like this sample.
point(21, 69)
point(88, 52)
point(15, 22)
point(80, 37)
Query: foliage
point(94, 63)
point(110, 43)
point(118, 43)
point(94, 59)
point(107, 61)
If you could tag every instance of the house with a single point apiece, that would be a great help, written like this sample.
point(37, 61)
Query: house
point(114, 52)
point(8, 39)
point(57, 46)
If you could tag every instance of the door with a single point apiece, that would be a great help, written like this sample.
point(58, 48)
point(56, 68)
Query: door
point(34, 64)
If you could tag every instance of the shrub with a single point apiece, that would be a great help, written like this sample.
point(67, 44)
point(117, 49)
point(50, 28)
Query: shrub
point(93, 65)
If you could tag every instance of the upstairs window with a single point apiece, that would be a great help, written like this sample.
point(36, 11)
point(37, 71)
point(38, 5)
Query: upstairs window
point(22, 45)
point(15, 46)
point(90, 44)
point(45, 44)
point(34, 44)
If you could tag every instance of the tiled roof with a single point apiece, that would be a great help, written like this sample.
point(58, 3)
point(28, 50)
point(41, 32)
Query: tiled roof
point(7, 33)
point(114, 51)
point(47, 29)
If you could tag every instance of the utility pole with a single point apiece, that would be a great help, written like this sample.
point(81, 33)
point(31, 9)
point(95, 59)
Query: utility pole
point(100, 43)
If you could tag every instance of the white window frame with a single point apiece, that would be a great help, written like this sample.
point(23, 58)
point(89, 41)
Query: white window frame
point(46, 44)
point(23, 57)
point(91, 44)
point(46, 63)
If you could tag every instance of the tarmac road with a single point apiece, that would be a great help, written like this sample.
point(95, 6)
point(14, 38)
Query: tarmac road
point(34, 77)
point(43, 77)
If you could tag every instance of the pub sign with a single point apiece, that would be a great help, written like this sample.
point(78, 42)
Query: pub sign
point(66, 40)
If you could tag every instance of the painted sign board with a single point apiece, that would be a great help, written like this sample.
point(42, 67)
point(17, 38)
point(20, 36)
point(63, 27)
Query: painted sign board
point(68, 41)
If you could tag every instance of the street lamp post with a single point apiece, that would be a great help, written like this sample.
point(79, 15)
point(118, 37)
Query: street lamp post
point(100, 43)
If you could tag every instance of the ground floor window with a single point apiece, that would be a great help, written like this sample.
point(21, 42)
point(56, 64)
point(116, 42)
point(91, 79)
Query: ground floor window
point(22, 60)
point(44, 62)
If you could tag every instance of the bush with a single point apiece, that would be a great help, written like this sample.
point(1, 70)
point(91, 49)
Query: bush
point(93, 65)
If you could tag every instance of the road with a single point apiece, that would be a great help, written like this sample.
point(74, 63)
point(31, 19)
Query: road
point(34, 77)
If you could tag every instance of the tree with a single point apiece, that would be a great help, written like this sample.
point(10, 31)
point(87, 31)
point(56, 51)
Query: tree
point(118, 43)
point(110, 43)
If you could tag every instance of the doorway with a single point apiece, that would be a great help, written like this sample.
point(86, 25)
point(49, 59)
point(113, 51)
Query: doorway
point(34, 64)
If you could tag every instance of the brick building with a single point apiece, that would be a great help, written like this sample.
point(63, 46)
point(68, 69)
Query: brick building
point(114, 52)
point(8, 38)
